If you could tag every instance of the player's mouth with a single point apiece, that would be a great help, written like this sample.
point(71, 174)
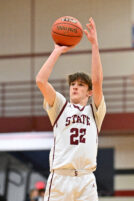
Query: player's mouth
point(75, 93)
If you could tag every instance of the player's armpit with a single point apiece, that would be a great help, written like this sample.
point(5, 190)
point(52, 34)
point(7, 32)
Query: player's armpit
point(47, 91)
point(99, 112)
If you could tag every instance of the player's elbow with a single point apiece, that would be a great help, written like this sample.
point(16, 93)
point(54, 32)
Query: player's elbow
point(40, 81)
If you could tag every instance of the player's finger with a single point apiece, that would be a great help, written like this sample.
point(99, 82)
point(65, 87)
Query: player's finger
point(86, 32)
point(92, 22)
point(90, 19)
point(70, 47)
point(89, 27)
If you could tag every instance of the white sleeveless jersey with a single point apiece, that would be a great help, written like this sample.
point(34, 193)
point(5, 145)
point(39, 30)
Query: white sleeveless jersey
point(75, 139)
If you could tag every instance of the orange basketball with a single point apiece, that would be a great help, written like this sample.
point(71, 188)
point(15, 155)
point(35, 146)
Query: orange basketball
point(67, 31)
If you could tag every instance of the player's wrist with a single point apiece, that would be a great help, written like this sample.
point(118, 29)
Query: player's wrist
point(95, 44)
point(57, 51)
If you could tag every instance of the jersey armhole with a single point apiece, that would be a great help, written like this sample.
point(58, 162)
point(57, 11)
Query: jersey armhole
point(60, 113)
point(94, 118)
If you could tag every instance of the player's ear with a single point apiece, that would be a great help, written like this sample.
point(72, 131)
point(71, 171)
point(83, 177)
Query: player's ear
point(90, 93)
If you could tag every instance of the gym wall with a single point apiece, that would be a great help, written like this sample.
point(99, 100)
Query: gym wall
point(26, 28)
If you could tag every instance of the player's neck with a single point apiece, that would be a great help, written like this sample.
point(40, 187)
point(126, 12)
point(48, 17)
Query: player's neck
point(82, 102)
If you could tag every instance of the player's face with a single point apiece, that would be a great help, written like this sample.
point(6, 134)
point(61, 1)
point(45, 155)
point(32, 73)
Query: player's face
point(79, 92)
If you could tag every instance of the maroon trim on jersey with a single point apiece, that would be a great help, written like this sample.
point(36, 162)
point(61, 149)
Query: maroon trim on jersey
point(54, 149)
point(50, 186)
point(94, 118)
point(60, 113)
point(81, 109)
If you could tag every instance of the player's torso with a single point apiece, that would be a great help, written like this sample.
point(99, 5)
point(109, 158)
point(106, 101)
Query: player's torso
point(76, 139)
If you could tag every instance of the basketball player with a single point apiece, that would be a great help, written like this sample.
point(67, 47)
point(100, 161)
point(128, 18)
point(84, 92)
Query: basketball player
point(76, 125)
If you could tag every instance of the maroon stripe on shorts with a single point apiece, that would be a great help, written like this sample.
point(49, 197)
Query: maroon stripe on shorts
point(94, 118)
point(50, 186)
point(60, 113)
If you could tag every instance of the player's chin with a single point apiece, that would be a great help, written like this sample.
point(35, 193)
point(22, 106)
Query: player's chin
point(75, 99)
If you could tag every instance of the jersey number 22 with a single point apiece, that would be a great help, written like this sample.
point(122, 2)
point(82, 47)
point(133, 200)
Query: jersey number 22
point(77, 136)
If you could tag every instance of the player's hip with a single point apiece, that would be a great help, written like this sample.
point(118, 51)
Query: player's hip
point(63, 187)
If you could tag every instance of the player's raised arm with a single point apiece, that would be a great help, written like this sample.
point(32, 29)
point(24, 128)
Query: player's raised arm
point(42, 77)
point(96, 69)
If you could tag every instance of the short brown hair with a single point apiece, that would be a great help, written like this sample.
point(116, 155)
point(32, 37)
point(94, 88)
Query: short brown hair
point(80, 76)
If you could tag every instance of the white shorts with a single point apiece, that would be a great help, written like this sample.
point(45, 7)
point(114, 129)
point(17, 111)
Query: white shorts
point(71, 186)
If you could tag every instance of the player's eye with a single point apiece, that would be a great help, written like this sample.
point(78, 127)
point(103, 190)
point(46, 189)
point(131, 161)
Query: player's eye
point(73, 83)
point(80, 84)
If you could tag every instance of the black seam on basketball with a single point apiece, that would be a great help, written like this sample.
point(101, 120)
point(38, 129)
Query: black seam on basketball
point(71, 24)
point(65, 35)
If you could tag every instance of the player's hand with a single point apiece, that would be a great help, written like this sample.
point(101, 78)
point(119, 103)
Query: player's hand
point(91, 32)
point(62, 49)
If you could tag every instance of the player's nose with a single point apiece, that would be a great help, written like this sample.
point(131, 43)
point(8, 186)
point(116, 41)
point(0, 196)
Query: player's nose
point(75, 87)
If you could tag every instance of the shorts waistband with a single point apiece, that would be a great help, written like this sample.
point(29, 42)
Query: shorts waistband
point(73, 172)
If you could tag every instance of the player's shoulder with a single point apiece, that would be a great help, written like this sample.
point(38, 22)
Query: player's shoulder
point(59, 95)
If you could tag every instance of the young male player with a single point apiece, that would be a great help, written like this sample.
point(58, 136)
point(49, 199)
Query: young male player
point(76, 125)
